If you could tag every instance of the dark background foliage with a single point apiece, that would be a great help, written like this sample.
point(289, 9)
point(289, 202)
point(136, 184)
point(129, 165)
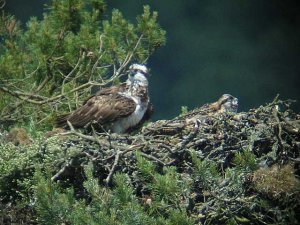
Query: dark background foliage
point(248, 48)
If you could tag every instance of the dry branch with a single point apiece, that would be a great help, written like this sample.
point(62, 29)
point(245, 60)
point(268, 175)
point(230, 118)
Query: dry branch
point(218, 137)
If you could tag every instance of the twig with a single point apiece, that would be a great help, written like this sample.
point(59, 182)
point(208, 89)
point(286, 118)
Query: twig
point(127, 58)
point(43, 84)
point(101, 55)
point(279, 133)
point(73, 131)
point(62, 170)
point(183, 143)
point(153, 158)
point(71, 73)
point(168, 148)
point(43, 100)
point(20, 94)
point(3, 4)
point(113, 168)
point(33, 72)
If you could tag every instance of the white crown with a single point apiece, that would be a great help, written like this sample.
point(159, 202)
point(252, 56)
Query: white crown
point(139, 67)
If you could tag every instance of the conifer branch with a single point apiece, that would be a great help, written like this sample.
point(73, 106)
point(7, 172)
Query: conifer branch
point(127, 59)
point(24, 96)
point(44, 100)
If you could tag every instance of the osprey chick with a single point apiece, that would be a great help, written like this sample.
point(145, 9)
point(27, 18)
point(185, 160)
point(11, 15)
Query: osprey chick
point(118, 108)
point(225, 104)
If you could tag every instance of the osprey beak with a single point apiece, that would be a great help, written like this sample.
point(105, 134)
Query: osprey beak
point(147, 74)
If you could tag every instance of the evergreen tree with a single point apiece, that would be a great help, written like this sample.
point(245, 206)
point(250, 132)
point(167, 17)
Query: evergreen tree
point(49, 66)
point(224, 168)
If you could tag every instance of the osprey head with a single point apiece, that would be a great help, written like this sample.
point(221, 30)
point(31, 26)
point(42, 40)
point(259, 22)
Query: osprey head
point(228, 103)
point(138, 68)
point(138, 74)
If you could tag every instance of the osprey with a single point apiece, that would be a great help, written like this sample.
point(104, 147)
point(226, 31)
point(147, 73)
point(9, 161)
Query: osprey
point(225, 104)
point(118, 108)
point(202, 116)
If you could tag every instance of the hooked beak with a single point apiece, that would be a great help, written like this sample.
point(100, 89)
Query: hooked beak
point(133, 72)
point(147, 74)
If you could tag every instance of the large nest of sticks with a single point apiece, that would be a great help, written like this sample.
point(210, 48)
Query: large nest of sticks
point(271, 133)
point(268, 135)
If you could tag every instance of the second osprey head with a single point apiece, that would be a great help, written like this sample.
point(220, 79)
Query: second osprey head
point(228, 103)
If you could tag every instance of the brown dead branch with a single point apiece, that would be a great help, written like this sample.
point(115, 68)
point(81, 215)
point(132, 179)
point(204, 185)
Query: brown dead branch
point(171, 142)
point(113, 168)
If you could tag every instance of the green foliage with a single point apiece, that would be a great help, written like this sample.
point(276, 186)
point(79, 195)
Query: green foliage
point(184, 110)
point(26, 173)
point(246, 161)
point(15, 158)
point(51, 205)
point(223, 188)
point(126, 206)
point(91, 184)
point(146, 168)
point(16, 171)
point(178, 217)
point(206, 171)
point(123, 191)
point(167, 187)
point(17, 164)
point(55, 205)
point(53, 61)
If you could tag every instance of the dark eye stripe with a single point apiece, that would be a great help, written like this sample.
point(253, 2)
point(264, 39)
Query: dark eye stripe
point(140, 71)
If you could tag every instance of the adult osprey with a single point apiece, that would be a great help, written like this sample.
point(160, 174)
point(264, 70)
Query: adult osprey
point(118, 108)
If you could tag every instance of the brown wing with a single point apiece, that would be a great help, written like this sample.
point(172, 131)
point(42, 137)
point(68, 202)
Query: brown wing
point(108, 91)
point(101, 109)
point(203, 110)
point(112, 90)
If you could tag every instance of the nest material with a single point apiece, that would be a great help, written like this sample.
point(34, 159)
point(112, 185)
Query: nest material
point(271, 133)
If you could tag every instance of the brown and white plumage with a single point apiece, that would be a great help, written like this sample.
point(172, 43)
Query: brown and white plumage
point(225, 104)
point(118, 108)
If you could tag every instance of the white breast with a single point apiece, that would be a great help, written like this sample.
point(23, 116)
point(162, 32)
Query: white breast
point(121, 125)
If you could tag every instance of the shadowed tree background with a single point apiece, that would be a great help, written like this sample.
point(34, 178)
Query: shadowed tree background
point(248, 48)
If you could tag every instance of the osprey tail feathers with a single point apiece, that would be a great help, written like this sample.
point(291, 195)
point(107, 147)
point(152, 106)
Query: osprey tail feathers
point(75, 118)
point(61, 120)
